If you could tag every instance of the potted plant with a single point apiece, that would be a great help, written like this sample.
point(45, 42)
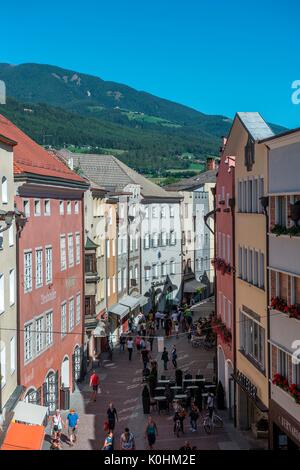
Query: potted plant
point(295, 212)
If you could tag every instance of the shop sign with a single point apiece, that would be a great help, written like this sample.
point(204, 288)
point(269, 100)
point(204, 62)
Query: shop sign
point(247, 385)
point(289, 428)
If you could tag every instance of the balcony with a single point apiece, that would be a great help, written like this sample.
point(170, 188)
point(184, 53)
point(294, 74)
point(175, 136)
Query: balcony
point(286, 401)
point(283, 329)
point(284, 253)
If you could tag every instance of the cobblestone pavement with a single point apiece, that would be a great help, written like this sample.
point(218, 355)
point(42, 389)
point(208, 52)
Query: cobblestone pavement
point(121, 383)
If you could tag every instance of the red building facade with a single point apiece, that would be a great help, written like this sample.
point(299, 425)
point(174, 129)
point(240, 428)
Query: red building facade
point(224, 275)
point(50, 260)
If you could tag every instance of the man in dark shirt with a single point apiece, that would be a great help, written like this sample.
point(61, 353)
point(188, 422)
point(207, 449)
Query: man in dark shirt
point(112, 416)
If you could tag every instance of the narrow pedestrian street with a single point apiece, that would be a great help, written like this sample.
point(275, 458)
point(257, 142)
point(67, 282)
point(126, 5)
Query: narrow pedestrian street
point(121, 383)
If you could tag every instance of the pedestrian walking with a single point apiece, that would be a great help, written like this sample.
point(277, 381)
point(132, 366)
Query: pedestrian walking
point(165, 358)
point(130, 347)
point(72, 420)
point(112, 416)
point(94, 383)
point(109, 442)
point(145, 357)
point(210, 404)
point(138, 340)
point(151, 341)
point(151, 432)
point(122, 342)
point(194, 415)
point(57, 425)
point(127, 441)
point(174, 356)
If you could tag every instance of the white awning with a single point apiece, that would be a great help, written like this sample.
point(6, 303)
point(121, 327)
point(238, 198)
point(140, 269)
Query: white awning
point(130, 301)
point(142, 300)
point(120, 310)
point(30, 413)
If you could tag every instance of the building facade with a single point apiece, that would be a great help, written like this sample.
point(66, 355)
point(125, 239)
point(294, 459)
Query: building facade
point(50, 283)
point(224, 263)
point(284, 289)
point(8, 274)
point(251, 185)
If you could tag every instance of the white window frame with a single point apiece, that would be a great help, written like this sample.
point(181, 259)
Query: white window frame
point(61, 207)
point(37, 207)
point(77, 247)
point(12, 287)
point(49, 261)
point(49, 328)
point(27, 271)
point(39, 268)
point(78, 308)
point(71, 250)
point(63, 314)
point(47, 207)
point(71, 314)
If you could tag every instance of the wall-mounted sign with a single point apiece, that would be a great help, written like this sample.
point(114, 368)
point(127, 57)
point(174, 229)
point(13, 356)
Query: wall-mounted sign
point(246, 384)
point(45, 298)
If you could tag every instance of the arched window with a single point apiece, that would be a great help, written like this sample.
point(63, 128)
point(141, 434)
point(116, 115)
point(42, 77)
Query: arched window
point(4, 190)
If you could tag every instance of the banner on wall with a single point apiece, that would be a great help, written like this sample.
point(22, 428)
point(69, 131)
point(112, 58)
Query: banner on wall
point(160, 344)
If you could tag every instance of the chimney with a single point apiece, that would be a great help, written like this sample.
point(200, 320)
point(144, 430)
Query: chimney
point(210, 164)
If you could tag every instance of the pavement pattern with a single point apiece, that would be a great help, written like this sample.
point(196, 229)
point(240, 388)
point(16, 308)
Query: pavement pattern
point(121, 383)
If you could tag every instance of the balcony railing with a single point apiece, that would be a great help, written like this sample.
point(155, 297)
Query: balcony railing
point(281, 305)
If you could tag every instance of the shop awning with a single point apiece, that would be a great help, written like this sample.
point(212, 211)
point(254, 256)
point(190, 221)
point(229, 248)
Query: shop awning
point(191, 286)
point(130, 301)
point(142, 300)
point(30, 413)
point(120, 310)
point(23, 437)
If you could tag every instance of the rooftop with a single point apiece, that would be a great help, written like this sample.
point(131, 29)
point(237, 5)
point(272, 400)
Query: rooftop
point(255, 125)
point(188, 184)
point(31, 158)
point(112, 174)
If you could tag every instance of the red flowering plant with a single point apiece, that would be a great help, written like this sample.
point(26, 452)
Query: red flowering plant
point(221, 265)
point(221, 329)
point(295, 392)
point(280, 381)
point(282, 306)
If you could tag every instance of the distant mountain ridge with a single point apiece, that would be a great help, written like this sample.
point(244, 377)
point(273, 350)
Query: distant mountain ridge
point(146, 127)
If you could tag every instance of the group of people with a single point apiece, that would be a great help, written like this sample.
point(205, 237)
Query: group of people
point(57, 426)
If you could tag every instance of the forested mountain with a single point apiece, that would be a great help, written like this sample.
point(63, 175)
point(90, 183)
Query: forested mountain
point(59, 107)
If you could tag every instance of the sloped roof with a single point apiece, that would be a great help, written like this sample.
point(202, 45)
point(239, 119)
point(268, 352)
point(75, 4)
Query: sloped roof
point(255, 125)
point(31, 158)
point(188, 184)
point(112, 174)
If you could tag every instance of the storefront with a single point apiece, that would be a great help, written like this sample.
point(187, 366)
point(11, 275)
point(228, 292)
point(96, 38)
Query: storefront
point(118, 316)
point(250, 410)
point(284, 429)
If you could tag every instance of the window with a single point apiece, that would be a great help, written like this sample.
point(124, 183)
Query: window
point(224, 246)
point(77, 241)
point(224, 308)
point(76, 207)
point(63, 256)
point(254, 195)
point(63, 319)
point(172, 267)
point(38, 268)
point(186, 210)
point(27, 271)
point(172, 211)
point(114, 284)
point(154, 212)
point(164, 269)
point(4, 190)
point(61, 207)
point(146, 212)
point(119, 282)
point(39, 334)
point(49, 328)
point(172, 237)
point(255, 269)
point(28, 342)
point(229, 319)
point(296, 374)
point(229, 249)
point(281, 210)
point(3, 364)
point(47, 207)
point(282, 363)
point(11, 236)
point(2, 304)
point(154, 271)
point(250, 263)
point(293, 292)
point(71, 314)
point(11, 286)
point(12, 354)
point(164, 239)
point(26, 208)
point(262, 271)
point(124, 276)
point(252, 339)
point(163, 212)
point(108, 248)
point(90, 263)
point(240, 262)
point(147, 241)
point(71, 250)
point(245, 256)
point(155, 240)
point(48, 264)
point(78, 308)
point(147, 273)
point(136, 273)
point(260, 193)
point(69, 207)
point(37, 207)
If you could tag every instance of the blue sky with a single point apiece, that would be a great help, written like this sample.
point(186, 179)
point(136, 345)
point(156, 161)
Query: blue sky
point(218, 56)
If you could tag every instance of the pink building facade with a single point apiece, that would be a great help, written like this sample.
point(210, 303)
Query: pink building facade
point(224, 275)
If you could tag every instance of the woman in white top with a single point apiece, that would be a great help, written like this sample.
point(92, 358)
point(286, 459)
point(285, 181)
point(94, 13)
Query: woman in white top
point(57, 425)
